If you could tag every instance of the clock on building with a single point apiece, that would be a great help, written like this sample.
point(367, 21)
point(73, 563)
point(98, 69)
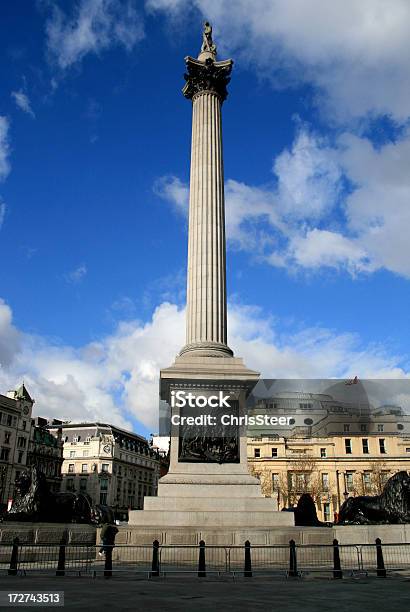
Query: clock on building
point(107, 448)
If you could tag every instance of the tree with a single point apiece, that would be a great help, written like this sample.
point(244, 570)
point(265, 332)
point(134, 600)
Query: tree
point(264, 475)
point(301, 477)
point(377, 478)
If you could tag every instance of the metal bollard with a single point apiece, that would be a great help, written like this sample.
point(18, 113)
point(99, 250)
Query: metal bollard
point(337, 569)
point(108, 562)
point(61, 555)
point(155, 558)
point(201, 562)
point(248, 561)
point(293, 565)
point(381, 570)
point(14, 558)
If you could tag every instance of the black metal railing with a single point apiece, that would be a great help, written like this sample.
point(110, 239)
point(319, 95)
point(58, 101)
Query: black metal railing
point(292, 560)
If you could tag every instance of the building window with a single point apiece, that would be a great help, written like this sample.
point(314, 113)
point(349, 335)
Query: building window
point(85, 453)
point(326, 512)
point(348, 446)
point(346, 427)
point(72, 454)
point(4, 454)
point(275, 482)
point(380, 427)
point(83, 484)
point(104, 467)
point(70, 484)
point(407, 449)
point(382, 446)
point(103, 490)
point(363, 427)
point(325, 482)
point(24, 425)
point(256, 453)
point(21, 442)
point(365, 446)
point(323, 453)
point(20, 457)
point(349, 481)
point(84, 467)
point(71, 467)
point(274, 452)
point(367, 481)
point(7, 435)
point(384, 477)
point(9, 420)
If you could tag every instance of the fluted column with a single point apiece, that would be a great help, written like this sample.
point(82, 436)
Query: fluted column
point(206, 332)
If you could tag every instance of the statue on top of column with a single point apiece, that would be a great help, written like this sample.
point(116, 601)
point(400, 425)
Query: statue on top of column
point(207, 42)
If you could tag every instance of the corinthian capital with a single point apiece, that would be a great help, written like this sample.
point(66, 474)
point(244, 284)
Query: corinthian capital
point(206, 76)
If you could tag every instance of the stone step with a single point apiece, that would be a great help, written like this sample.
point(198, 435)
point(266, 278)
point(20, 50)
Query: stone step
point(209, 490)
point(204, 519)
point(221, 504)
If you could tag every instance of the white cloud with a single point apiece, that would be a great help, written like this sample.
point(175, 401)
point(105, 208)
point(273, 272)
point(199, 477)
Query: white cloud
point(172, 189)
point(23, 102)
point(9, 336)
point(92, 27)
point(323, 248)
point(308, 178)
point(76, 275)
point(356, 53)
point(378, 209)
point(306, 219)
point(117, 376)
point(4, 148)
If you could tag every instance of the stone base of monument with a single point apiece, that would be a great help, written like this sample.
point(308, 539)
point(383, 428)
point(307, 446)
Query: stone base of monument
point(216, 510)
point(274, 536)
point(46, 533)
point(203, 494)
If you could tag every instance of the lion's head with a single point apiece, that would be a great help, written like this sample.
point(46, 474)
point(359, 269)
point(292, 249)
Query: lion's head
point(396, 494)
point(23, 483)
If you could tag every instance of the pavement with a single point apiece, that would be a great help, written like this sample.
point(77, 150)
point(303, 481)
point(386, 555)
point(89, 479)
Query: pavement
point(307, 594)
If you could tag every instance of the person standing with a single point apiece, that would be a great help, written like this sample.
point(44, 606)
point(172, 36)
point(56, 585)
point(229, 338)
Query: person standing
point(108, 533)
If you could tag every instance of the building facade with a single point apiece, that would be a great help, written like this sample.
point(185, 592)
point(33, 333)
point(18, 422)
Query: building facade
point(332, 450)
point(115, 467)
point(15, 430)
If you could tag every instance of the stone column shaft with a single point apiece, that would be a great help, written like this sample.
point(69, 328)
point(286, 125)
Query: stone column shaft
point(206, 284)
point(206, 332)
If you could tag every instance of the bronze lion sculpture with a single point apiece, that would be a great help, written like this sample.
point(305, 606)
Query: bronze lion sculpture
point(391, 506)
point(34, 502)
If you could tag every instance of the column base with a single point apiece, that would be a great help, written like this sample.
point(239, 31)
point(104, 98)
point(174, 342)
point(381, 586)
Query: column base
point(206, 349)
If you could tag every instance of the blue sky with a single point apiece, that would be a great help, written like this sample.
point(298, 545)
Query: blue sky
point(94, 171)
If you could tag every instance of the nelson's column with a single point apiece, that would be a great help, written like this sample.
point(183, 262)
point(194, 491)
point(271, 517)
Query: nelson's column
point(208, 491)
